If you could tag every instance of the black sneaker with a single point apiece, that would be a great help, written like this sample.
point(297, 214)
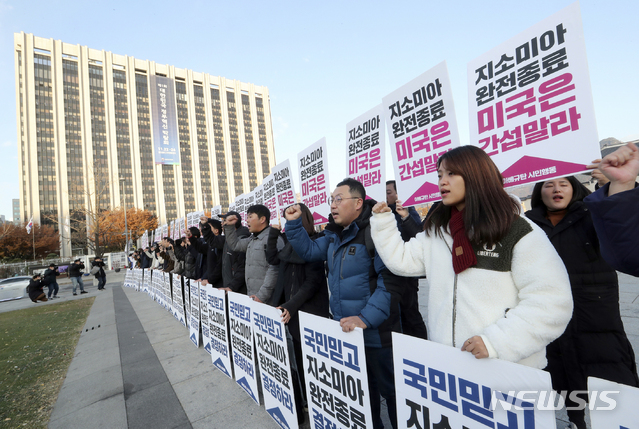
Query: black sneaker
point(84, 291)
point(74, 293)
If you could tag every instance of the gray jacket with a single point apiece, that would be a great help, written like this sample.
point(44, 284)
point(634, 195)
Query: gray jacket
point(260, 276)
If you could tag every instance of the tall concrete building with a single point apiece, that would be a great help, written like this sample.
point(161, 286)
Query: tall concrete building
point(99, 130)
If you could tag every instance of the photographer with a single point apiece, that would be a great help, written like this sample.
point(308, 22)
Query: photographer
point(35, 289)
point(75, 273)
point(97, 269)
point(50, 279)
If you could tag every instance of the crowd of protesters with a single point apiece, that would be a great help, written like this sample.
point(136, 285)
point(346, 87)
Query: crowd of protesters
point(539, 288)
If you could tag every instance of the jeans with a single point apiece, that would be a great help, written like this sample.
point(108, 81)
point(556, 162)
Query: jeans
point(381, 380)
point(76, 281)
point(101, 282)
point(53, 288)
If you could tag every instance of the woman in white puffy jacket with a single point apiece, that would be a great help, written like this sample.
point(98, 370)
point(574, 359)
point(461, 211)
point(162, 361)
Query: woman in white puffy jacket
point(498, 288)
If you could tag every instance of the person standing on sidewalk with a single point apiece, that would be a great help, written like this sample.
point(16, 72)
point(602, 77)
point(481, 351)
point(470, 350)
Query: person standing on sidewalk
point(97, 269)
point(75, 273)
point(50, 279)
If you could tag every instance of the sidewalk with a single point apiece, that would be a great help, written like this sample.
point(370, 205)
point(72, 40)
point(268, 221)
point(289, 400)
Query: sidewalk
point(135, 367)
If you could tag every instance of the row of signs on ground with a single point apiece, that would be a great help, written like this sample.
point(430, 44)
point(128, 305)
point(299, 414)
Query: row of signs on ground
point(436, 386)
point(530, 108)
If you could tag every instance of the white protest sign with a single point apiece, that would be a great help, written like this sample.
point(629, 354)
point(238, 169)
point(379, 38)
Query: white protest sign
point(129, 278)
point(259, 194)
point(275, 368)
point(269, 197)
point(178, 301)
point(437, 383)
point(284, 188)
point(612, 405)
point(194, 319)
point(240, 208)
point(365, 152)
point(146, 282)
point(186, 283)
point(216, 211)
point(157, 235)
point(422, 126)
point(145, 240)
point(530, 102)
point(204, 316)
point(220, 350)
point(312, 165)
point(242, 343)
point(249, 199)
point(165, 232)
point(335, 371)
point(138, 279)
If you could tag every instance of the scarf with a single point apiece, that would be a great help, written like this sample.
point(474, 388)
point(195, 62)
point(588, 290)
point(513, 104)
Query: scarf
point(463, 254)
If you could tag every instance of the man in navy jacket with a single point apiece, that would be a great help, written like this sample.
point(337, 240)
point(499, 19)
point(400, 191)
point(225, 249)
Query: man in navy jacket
point(364, 293)
point(615, 209)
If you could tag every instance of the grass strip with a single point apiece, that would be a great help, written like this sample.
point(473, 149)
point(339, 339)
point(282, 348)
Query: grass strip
point(36, 348)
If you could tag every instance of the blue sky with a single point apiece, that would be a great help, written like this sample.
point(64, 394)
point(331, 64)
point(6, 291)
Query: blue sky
point(324, 63)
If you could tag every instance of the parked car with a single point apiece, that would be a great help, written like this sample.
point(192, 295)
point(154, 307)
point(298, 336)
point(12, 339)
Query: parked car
point(14, 288)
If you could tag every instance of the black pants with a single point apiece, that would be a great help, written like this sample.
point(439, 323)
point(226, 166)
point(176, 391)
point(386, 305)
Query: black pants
point(412, 320)
point(381, 380)
point(53, 288)
point(101, 282)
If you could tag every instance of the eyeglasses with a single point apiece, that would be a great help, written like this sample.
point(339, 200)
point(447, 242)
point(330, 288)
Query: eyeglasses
point(338, 200)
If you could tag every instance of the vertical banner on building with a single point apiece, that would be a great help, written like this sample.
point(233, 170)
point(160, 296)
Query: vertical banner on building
point(315, 189)
point(612, 405)
point(365, 152)
point(275, 369)
point(434, 382)
point(335, 368)
point(530, 102)
point(421, 124)
point(164, 116)
point(269, 197)
point(284, 188)
point(204, 316)
point(259, 194)
point(194, 321)
point(216, 211)
point(220, 349)
point(242, 343)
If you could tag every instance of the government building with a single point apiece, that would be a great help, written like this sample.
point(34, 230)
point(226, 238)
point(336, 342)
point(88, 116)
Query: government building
point(98, 130)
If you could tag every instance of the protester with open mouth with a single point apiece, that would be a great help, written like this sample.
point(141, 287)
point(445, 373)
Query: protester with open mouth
point(595, 343)
point(498, 289)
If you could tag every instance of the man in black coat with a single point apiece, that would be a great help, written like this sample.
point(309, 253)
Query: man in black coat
point(231, 270)
point(99, 273)
point(212, 258)
point(50, 279)
point(35, 289)
point(408, 223)
point(75, 273)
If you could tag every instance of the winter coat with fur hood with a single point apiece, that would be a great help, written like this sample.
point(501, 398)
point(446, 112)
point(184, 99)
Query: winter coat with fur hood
point(517, 297)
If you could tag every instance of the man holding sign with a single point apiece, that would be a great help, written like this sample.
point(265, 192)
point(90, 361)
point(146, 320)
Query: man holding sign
point(359, 282)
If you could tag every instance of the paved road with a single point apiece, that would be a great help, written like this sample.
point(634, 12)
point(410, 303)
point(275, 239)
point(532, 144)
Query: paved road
point(135, 367)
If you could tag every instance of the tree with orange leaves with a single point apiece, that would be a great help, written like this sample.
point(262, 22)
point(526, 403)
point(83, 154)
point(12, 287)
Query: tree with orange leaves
point(16, 243)
point(111, 226)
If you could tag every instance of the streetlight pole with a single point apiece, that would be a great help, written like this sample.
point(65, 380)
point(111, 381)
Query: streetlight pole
point(126, 227)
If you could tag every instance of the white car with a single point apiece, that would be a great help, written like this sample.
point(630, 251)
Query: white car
point(14, 288)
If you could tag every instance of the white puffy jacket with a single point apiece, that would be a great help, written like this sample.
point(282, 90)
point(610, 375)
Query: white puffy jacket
point(517, 297)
